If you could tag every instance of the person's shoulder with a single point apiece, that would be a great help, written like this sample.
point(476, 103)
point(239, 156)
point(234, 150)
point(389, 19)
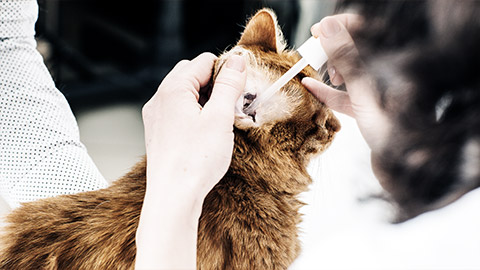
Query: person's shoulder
point(18, 18)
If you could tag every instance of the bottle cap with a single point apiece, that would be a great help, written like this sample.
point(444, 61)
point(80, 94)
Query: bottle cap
point(313, 52)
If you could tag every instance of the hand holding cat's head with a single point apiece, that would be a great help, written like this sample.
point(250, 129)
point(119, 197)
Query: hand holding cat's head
point(293, 118)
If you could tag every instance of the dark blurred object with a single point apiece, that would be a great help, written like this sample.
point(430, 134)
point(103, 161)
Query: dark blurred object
point(104, 50)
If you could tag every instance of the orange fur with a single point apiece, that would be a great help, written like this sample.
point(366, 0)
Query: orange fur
point(263, 31)
point(249, 219)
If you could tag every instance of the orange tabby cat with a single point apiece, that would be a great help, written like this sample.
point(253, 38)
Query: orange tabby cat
point(249, 219)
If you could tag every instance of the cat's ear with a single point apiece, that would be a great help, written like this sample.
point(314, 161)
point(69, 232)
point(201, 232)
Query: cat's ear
point(263, 30)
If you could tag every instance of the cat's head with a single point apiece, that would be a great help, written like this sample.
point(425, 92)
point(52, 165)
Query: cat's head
point(292, 119)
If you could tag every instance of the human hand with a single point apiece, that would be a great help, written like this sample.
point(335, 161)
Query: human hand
point(189, 149)
point(183, 139)
point(360, 101)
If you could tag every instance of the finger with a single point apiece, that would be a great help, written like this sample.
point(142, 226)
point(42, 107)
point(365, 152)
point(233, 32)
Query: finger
point(201, 68)
point(335, 99)
point(343, 55)
point(227, 88)
point(187, 77)
point(336, 79)
point(186, 65)
point(180, 65)
point(340, 48)
point(352, 22)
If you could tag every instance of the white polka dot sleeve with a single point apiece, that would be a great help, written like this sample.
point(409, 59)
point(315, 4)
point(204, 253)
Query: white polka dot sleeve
point(40, 150)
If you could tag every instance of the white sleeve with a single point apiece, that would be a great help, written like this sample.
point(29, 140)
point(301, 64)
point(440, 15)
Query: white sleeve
point(40, 150)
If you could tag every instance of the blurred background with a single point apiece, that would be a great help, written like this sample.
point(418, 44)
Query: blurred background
point(108, 57)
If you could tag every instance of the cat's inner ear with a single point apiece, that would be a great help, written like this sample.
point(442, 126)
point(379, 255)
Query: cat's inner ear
point(263, 30)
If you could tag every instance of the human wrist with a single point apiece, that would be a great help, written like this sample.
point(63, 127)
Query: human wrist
point(166, 236)
point(167, 232)
point(187, 176)
point(175, 192)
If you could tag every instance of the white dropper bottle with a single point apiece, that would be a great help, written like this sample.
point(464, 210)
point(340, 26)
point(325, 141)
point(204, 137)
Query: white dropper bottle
point(312, 54)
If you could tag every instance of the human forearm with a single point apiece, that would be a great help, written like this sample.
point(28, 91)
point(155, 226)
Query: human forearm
point(189, 149)
point(35, 119)
point(167, 233)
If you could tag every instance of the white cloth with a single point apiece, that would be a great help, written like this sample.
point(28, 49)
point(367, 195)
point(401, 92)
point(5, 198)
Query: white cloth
point(40, 150)
point(343, 231)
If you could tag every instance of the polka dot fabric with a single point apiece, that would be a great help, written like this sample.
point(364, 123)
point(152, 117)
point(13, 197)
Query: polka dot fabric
point(40, 150)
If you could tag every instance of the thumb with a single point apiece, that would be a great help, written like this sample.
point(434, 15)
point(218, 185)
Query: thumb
point(344, 56)
point(227, 88)
point(340, 48)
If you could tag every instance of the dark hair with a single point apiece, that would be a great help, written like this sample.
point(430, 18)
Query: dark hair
point(425, 58)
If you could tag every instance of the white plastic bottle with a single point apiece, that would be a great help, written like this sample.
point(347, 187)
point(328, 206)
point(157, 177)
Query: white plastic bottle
point(312, 54)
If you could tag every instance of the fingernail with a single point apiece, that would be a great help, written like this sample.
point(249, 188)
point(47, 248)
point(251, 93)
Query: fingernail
point(315, 29)
point(307, 80)
point(330, 27)
point(332, 72)
point(236, 62)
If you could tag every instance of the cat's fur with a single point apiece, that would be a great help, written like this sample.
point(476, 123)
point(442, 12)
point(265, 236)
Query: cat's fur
point(249, 219)
point(425, 58)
